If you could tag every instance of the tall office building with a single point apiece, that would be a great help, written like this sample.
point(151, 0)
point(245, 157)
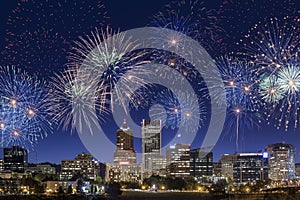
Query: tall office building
point(124, 167)
point(178, 160)
point(250, 167)
point(201, 163)
point(151, 144)
point(281, 161)
point(124, 153)
point(15, 159)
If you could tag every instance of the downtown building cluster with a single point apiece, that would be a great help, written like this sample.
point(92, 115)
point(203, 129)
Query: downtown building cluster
point(275, 162)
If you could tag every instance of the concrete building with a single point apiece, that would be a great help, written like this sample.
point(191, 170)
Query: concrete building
point(227, 162)
point(297, 169)
point(124, 168)
point(82, 164)
point(281, 161)
point(178, 160)
point(41, 168)
point(250, 167)
point(123, 172)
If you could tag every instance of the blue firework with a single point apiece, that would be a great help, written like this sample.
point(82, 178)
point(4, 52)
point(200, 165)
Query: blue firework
point(24, 117)
point(241, 92)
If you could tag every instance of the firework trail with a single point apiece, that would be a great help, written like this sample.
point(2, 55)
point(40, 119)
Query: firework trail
point(24, 118)
point(242, 94)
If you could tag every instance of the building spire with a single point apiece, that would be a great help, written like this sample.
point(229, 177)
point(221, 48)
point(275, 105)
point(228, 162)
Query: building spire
point(124, 124)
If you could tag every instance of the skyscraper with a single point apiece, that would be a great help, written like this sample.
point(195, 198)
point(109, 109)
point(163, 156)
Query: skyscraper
point(15, 159)
point(124, 167)
point(124, 153)
point(124, 137)
point(281, 161)
point(151, 143)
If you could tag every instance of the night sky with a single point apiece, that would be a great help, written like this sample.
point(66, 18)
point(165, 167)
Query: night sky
point(233, 19)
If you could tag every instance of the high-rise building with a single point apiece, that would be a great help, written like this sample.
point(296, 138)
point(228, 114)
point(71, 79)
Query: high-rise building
point(125, 137)
point(124, 153)
point(82, 164)
point(201, 163)
point(15, 159)
point(124, 167)
point(250, 167)
point(178, 160)
point(151, 143)
point(281, 161)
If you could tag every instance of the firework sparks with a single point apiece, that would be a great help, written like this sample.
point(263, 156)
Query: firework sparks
point(242, 94)
point(110, 54)
point(273, 45)
point(73, 100)
point(24, 118)
point(270, 90)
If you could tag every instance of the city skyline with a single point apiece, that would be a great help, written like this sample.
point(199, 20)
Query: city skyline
point(67, 143)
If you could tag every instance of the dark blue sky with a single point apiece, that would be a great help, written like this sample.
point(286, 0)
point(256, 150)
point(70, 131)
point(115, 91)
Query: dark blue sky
point(234, 18)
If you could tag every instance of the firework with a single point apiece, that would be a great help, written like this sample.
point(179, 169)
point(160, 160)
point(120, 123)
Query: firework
point(68, 18)
point(240, 83)
point(73, 100)
point(242, 93)
point(179, 110)
point(110, 54)
point(273, 45)
point(39, 33)
point(190, 18)
point(236, 15)
point(289, 79)
point(285, 111)
point(24, 118)
point(39, 52)
point(270, 89)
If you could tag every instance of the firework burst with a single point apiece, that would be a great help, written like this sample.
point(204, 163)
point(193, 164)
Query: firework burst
point(110, 55)
point(179, 110)
point(273, 45)
point(242, 94)
point(73, 100)
point(24, 117)
point(285, 110)
point(270, 90)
